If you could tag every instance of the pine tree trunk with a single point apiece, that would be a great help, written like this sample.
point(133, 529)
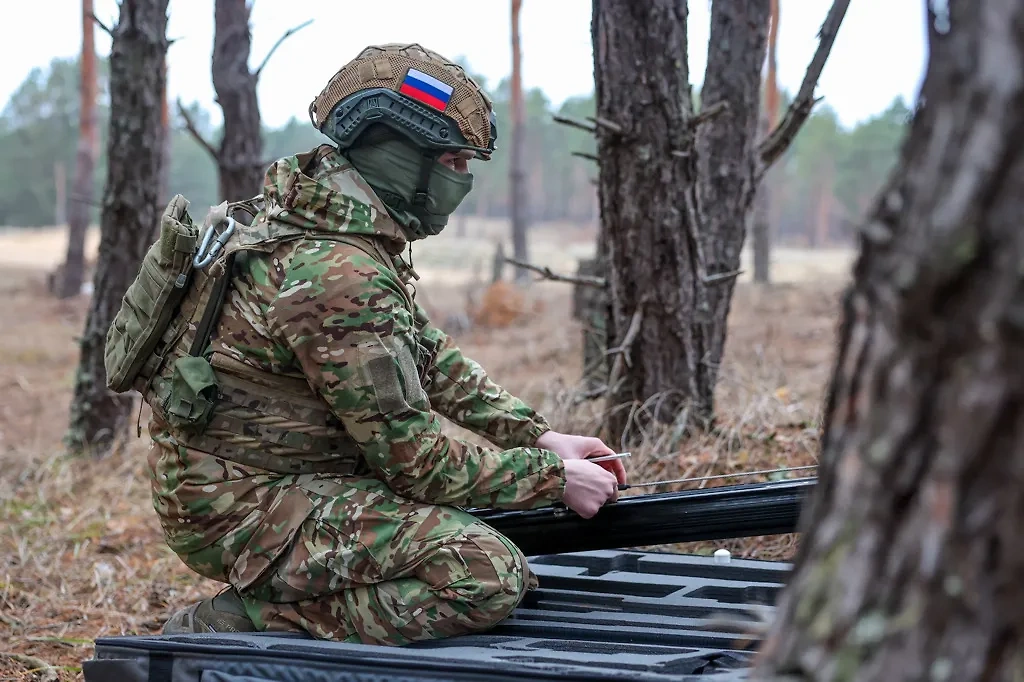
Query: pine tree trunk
point(910, 567)
point(726, 163)
point(645, 234)
point(165, 124)
point(589, 306)
point(130, 209)
point(60, 182)
point(761, 222)
point(517, 175)
point(666, 232)
point(769, 119)
point(69, 281)
point(239, 159)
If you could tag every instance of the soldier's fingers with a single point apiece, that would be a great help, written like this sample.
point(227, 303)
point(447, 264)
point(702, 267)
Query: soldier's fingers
point(615, 468)
point(619, 470)
point(612, 488)
point(597, 447)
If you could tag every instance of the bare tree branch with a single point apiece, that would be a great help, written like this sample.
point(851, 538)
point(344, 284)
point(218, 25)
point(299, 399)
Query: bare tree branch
point(287, 34)
point(36, 666)
point(581, 396)
point(622, 352)
point(779, 140)
point(106, 29)
point(191, 127)
point(709, 113)
point(575, 123)
point(85, 200)
point(585, 155)
point(696, 251)
point(720, 277)
point(605, 123)
point(548, 273)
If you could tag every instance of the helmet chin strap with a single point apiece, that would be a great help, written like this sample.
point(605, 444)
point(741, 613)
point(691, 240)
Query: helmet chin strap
point(420, 197)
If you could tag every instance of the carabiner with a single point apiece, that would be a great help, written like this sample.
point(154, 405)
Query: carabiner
point(204, 258)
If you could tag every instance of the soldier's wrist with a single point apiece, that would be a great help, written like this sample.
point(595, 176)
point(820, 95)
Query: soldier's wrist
point(536, 431)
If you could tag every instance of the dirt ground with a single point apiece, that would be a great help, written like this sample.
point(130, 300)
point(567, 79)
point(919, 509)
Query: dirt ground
point(81, 554)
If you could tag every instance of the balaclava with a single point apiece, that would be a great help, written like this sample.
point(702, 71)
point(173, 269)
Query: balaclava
point(391, 165)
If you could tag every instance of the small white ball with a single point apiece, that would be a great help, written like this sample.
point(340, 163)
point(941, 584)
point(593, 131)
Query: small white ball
point(722, 556)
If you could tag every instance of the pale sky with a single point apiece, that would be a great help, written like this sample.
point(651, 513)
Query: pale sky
point(879, 54)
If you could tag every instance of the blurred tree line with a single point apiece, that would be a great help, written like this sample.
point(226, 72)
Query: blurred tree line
point(823, 184)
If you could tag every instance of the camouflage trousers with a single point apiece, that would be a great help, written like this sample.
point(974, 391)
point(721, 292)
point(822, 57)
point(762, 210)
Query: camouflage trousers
point(347, 559)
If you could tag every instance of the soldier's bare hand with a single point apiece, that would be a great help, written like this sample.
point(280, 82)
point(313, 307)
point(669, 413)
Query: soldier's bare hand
point(568, 447)
point(588, 487)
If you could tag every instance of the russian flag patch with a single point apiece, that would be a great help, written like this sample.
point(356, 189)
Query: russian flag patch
point(426, 89)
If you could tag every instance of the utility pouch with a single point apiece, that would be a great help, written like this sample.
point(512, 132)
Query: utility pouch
point(134, 340)
point(193, 394)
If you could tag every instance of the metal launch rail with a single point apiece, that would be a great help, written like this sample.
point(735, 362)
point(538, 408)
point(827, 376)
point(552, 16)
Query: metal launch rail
point(662, 518)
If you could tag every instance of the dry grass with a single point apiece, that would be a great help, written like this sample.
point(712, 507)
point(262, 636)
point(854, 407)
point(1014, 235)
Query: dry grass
point(81, 554)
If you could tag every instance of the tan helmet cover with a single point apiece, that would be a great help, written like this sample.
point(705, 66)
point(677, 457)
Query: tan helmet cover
point(386, 66)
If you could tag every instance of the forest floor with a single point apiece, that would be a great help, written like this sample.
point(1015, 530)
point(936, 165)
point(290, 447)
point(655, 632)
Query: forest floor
point(81, 553)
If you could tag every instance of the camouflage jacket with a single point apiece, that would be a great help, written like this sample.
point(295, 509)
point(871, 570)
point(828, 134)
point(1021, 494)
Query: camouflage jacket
point(345, 321)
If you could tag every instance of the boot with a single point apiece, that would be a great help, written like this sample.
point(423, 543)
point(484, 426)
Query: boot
point(223, 613)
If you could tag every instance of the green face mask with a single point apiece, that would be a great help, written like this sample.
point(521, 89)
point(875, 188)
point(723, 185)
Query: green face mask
point(392, 168)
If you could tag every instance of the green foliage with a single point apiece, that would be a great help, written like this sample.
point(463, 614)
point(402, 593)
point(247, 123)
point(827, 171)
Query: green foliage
point(829, 176)
point(868, 154)
point(193, 173)
point(558, 184)
point(39, 129)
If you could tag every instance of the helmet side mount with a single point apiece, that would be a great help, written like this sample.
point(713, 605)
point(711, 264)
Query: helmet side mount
point(425, 127)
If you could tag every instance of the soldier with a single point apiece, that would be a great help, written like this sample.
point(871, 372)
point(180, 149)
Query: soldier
point(320, 486)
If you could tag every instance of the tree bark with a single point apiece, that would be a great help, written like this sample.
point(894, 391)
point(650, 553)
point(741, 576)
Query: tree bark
point(769, 119)
point(517, 175)
point(165, 124)
point(239, 158)
point(498, 264)
point(911, 561)
point(771, 92)
point(130, 209)
point(60, 182)
point(69, 281)
point(761, 221)
point(589, 305)
point(645, 231)
point(727, 164)
point(674, 193)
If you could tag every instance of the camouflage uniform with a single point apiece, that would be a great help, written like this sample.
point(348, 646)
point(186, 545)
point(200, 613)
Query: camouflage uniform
point(384, 555)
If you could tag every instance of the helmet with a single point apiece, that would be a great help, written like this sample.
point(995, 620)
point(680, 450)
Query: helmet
point(413, 91)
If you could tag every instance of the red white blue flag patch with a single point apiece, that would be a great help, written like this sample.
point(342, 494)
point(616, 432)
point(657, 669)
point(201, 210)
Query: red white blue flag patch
point(426, 89)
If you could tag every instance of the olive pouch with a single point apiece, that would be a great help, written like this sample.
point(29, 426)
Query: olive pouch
point(193, 393)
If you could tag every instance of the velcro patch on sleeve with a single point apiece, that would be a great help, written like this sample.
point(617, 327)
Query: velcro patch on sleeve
point(395, 378)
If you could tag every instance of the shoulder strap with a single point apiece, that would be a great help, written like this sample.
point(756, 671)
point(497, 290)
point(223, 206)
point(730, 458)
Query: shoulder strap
point(213, 307)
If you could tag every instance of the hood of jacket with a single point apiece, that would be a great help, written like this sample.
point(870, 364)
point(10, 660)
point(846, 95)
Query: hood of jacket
point(321, 191)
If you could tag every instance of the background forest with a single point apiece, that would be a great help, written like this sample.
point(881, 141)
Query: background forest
point(886, 350)
point(826, 179)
